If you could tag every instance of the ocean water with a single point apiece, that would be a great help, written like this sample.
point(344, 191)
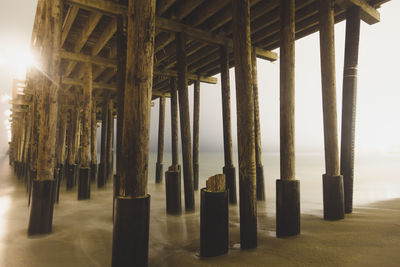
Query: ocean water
point(376, 178)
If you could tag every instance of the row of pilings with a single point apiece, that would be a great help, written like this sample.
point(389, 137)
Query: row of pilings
point(54, 137)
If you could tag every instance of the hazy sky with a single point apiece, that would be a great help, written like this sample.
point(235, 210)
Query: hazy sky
point(378, 110)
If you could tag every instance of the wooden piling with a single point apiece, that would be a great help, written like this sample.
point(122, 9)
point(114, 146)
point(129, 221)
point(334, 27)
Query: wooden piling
point(333, 182)
point(228, 169)
point(41, 213)
point(257, 131)
point(93, 140)
point(131, 221)
point(185, 121)
point(245, 106)
point(101, 178)
point(349, 104)
point(84, 169)
point(196, 127)
point(110, 141)
point(287, 188)
point(174, 123)
point(160, 147)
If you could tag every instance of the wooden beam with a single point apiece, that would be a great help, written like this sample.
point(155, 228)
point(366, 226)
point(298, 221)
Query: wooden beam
point(368, 13)
point(191, 76)
point(75, 82)
point(164, 24)
point(69, 20)
point(107, 34)
point(110, 63)
point(195, 33)
point(103, 6)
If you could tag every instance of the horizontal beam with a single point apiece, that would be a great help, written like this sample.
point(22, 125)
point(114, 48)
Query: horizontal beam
point(168, 25)
point(195, 33)
point(107, 7)
point(191, 76)
point(110, 63)
point(96, 85)
point(368, 13)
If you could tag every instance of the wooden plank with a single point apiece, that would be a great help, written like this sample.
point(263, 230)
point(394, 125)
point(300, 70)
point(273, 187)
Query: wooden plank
point(69, 20)
point(368, 13)
point(195, 33)
point(107, 34)
point(191, 76)
point(110, 63)
point(107, 7)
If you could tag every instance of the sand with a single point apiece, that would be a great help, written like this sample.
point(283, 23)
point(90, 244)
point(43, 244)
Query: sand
point(82, 234)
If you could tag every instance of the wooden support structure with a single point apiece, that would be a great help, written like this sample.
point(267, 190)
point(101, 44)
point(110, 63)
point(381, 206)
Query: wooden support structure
point(245, 106)
point(185, 122)
point(287, 188)
point(84, 169)
point(93, 141)
point(349, 102)
point(174, 125)
point(102, 175)
point(41, 213)
point(367, 13)
point(110, 142)
point(332, 180)
point(196, 127)
point(228, 169)
point(160, 147)
point(257, 132)
point(132, 207)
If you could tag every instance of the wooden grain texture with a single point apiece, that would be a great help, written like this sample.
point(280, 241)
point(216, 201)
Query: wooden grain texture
point(104, 132)
point(216, 183)
point(48, 104)
point(226, 106)
point(245, 126)
point(161, 127)
point(327, 47)
point(185, 121)
point(138, 87)
point(196, 132)
point(349, 103)
point(62, 130)
point(86, 116)
point(93, 133)
point(121, 55)
point(287, 91)
point(174, 122)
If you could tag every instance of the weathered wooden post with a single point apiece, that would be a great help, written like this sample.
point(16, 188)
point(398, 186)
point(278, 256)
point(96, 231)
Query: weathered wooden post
point(245, 109)
point(121, 73)
point(257, 132)
point(353, 19)
point(160, 151)
point(132, 212)
point(287, 188)
point(93, 141)
point(102, 175)
point(228, 169)
point(185, 121)
point(41, 213)
point(196, 127)
point(72, 142)
point(60, 147)
point(110, 141)
point(332, 180)
point(173, 175)
point(84, 169)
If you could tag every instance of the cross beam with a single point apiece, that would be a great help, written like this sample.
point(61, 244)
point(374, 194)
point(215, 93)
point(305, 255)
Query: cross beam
point(368, 13)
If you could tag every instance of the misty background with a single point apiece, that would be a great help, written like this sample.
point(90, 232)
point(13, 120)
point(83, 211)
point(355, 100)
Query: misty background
point(377, 128)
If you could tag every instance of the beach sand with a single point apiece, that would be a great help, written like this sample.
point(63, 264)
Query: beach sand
point(82, 234)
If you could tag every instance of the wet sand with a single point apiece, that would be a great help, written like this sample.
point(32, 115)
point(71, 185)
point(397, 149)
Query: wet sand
point(82, 234)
